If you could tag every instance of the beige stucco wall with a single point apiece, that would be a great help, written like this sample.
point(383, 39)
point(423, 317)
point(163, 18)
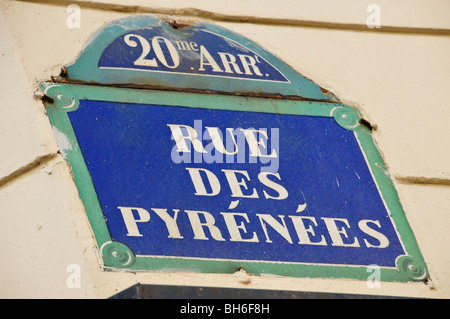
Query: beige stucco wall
point(397, 77)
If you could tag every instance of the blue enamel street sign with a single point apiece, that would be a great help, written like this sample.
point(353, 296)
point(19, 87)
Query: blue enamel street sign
point(203, 53)
point(288, 190)
point(211, 178)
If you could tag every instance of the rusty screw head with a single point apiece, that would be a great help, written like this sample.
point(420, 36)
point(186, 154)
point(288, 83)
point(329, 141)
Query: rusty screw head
point(63, 72)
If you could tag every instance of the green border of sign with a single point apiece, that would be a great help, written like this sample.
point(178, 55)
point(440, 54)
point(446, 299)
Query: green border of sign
point(114, 255)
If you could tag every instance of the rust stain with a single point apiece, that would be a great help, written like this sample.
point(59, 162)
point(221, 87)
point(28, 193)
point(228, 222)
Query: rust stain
point(370, 126)
point(177, 23)
point(150, 86)
point(63, 72)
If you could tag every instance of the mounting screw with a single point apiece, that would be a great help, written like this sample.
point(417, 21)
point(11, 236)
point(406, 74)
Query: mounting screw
point(63, 72)
point(174, 24)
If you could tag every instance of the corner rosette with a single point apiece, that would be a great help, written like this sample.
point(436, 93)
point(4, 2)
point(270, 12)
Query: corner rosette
point(62, 101)
point(346, 117)
point(117, 255)
point(412, 268)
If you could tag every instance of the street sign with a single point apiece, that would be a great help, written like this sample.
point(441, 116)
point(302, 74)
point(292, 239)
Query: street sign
point(214, 173)
point(203, 53)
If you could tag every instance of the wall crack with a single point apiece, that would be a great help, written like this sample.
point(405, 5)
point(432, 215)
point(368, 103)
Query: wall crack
point(38, 164)
point(220, 17)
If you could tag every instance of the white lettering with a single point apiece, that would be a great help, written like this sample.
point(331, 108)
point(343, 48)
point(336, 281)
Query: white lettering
point(247, 62)
point(171, 222)
point(235, 185)
point(229, 60)
point(234, 228)
point(303, 232)
point(172, 51)
point(183, 45)
point(254, 144)
point(204, 54)
point(142, 61)
point(384, 242)
point(131, 221)
point(180, 138)
point(282, 192)
point(281, 229)
point(216, 137)
point(197, 225)
point(199, 186)
point(336, 234)
point(203, 225)
point(193, 45)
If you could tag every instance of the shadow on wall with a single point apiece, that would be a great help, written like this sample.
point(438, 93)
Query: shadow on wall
point(140, 291)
